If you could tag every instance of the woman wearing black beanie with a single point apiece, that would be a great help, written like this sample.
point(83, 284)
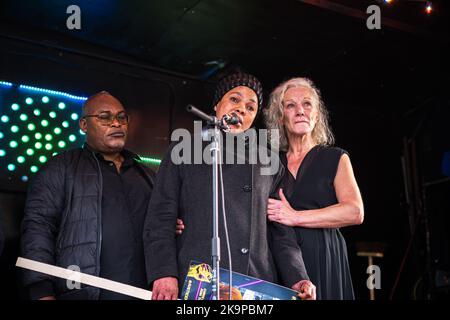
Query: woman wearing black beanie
point(184, 191)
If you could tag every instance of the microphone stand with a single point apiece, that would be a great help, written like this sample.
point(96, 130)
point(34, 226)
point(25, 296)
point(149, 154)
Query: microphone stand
point(215, 152)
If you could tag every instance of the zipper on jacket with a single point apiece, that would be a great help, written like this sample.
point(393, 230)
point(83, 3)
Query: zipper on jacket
point(99, 224)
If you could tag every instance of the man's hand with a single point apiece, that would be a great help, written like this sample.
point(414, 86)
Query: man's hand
point(48, 298)
point(179, 227)
point(307, 291)
point(165, 289)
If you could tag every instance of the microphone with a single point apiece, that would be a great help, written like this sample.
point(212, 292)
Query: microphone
point(231, 118)
point(224, 123)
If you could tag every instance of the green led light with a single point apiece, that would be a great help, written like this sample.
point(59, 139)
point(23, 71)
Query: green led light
point(13, 144)
point(34, 169)
point(62, 105)
point(42, 159)
point(54, 154)
point(28, 101)
point(72, 137)
point(30, 152)
point(44, 123)
point(48, 146)
point(23, 117)
point(15, 107)
point(14, 129)
point(38, 135)
point(150, 160)
point(2, 153)
point(52, 114)
point(57, 130)
point(48, 137)
point(1, 135)
point(45, 99)
point(37, 112)
point(25, 139)
point(38, 145)
point(4, 119)
point(11, 167)
point(82, 133)
point(20, 159)
point(31, 126)
point(65, 124)
point(61, 144)
point(74, 116)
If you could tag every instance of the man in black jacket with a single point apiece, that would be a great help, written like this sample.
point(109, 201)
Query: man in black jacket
point(184, 191)
point(86, 207)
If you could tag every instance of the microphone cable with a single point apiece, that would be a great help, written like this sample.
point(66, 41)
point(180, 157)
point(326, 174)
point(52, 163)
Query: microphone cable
point(226, 233)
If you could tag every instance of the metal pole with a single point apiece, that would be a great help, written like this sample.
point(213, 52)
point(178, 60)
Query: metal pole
point(215, 153)
point(372, 290)
point(215, 244)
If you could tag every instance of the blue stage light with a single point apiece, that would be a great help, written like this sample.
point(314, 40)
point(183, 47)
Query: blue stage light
point(53, 92)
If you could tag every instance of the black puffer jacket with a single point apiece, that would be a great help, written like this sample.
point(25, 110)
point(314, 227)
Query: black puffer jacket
point(62, 222)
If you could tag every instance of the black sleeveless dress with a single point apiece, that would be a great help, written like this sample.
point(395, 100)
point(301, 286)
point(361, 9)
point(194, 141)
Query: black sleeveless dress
point(324, 250)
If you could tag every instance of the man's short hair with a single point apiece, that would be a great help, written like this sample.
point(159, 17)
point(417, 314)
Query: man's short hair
point(92, 98)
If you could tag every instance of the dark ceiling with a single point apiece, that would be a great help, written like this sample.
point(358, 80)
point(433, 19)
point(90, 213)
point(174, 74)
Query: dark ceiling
point(325, 40)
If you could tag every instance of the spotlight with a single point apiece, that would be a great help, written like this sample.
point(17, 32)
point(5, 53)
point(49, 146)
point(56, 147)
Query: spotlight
point(429, 7)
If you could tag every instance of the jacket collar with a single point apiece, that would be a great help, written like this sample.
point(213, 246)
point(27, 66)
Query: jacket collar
point(125, 153)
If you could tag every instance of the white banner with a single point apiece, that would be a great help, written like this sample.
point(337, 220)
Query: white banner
point(84, 278)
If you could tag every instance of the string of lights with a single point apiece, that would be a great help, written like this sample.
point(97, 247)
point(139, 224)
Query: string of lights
point(428, 5)
point(37, 124)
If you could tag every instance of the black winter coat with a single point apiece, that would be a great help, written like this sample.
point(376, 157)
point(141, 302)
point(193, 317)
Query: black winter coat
point(184, 190)
point(62, 222)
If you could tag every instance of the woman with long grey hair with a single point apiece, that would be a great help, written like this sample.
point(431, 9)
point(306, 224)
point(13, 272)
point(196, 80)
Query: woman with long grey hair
point(319, 193)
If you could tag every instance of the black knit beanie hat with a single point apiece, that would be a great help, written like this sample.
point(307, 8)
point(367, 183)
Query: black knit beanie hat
point(235, 80)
